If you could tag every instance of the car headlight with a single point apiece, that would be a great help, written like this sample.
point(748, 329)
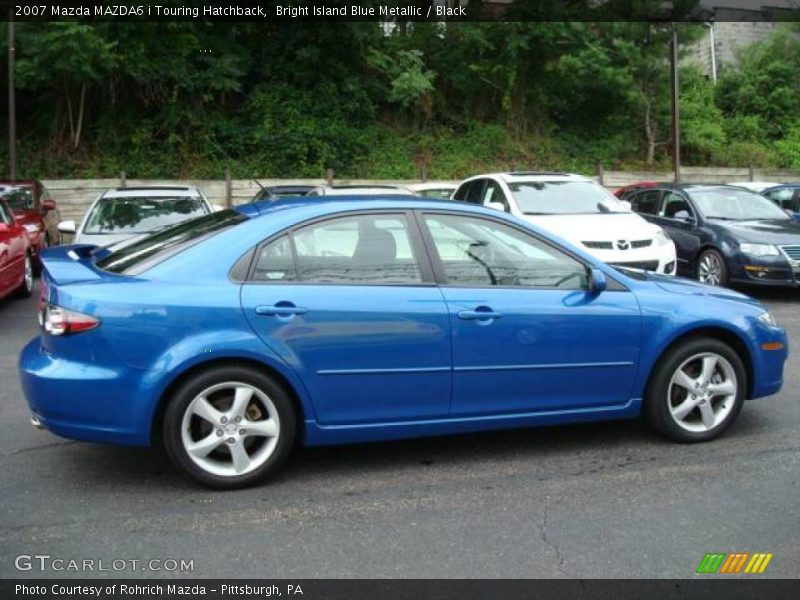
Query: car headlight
point(32, 228)
point(759, 249)
point(662, 239)
point(768, 319)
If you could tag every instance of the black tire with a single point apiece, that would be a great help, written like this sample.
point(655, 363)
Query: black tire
point(182, 398)
point(657, 401)
point(26, 287)
point(713, 257)
point(37, 264)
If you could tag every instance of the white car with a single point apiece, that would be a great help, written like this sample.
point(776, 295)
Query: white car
point(434, 189)
point(124, 213)
point(578, 210)
point(360, 190)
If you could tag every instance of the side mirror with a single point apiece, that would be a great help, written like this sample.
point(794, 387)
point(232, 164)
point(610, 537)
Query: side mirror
point(48, 205)
point(683, 215)
point(789, 212)
point(217, 207)
point(597, 281)
point(626, 204)
point(4, 228)
point(67, 227)
point(496, 205)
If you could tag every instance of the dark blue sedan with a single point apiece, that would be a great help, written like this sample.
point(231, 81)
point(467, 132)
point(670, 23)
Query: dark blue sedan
point(725, 234)
point(235, 336)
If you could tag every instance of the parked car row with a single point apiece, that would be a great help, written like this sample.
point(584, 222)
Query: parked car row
point(719, 234)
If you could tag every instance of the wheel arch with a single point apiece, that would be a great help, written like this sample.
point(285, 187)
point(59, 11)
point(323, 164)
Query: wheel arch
point(722, 334)
point(179, 378)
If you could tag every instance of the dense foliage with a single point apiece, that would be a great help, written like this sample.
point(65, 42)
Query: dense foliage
point(190, 99)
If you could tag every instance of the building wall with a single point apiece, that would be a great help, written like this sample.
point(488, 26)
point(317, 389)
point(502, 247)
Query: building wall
point(729, 38)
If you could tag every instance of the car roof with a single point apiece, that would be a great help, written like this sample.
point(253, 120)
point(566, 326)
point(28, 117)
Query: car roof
point(522, 176)
point(333, 204)
point(701, 186)
point(432, 185)
point(781, 186)
point(362, 190)
point(151, 192)
point(15, 182)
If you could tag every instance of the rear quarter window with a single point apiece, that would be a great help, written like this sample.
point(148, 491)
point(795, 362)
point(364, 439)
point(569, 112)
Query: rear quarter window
point(155, 248)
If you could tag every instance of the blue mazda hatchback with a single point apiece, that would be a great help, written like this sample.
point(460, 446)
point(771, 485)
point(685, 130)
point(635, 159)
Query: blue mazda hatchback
point(231, 338)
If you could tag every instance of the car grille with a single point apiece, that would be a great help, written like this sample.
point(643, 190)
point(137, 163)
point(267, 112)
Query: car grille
point(792, 252)
point(610, 245)
point(646, 265)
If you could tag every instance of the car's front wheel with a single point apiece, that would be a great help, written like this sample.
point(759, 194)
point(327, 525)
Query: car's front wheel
point(229, 427)
point(711, 268)
point(696, 390)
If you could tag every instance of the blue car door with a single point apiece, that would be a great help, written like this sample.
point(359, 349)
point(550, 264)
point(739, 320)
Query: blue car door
point(527, 334)
point(350, 303)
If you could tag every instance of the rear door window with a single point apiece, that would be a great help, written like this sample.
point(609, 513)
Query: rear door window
point(352, 250)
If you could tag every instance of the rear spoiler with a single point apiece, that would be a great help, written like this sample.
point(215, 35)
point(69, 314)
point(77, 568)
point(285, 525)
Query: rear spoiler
point(71, 264)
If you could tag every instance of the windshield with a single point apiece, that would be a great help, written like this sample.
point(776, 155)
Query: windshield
point(147, 252)
point(18, 197)
point(564, 197)
point(141, 214)
point(733, 204)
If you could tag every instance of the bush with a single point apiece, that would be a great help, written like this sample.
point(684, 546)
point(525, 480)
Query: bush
point(743, 154)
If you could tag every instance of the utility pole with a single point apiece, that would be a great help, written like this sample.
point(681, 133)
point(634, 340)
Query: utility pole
point(676, 125)
point(12, 109)
point(713, 44)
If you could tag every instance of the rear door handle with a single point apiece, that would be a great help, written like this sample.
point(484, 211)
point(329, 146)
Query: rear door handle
point(280, 310)
point(480, 314)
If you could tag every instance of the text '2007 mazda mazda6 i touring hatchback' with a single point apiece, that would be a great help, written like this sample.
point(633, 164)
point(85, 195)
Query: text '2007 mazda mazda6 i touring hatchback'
point(234, 336)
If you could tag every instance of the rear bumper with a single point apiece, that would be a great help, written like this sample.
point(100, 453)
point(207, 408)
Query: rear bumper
point(83, 401)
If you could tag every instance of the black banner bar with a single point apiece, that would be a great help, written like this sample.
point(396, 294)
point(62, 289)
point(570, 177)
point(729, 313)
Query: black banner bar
point(289, 11)
point(728, 588)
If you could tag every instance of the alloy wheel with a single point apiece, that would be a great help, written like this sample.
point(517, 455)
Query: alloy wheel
point(230, 429)
point(709, 270)
point(28, 274)
point(702, 392)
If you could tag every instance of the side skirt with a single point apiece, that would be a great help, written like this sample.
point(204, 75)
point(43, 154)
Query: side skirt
point(322, 435)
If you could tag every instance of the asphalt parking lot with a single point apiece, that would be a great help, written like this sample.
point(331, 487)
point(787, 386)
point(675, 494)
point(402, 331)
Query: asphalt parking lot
point(604, 500)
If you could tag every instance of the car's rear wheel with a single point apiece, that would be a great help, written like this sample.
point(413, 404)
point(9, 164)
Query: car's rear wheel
point(26, 287)
point(711, 268)
point(229, 427)
point(696, 391)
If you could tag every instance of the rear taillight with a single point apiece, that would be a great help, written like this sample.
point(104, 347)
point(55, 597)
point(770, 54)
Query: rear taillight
point(60, 321)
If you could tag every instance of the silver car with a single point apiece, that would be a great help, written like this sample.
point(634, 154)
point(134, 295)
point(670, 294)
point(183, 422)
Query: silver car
point(124, 213)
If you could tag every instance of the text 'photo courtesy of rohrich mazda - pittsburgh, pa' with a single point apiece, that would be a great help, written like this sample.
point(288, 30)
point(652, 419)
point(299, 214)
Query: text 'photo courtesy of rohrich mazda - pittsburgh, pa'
point(352, 291)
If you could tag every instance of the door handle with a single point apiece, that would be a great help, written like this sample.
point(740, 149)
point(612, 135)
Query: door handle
point(479, 315)
point(280, 310)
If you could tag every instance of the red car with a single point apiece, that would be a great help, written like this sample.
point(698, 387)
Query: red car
point(16, 265)
point(624, 191)
point(35, 211)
